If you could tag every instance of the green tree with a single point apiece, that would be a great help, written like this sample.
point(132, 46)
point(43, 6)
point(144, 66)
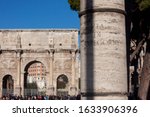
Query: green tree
point(141, 31)
point(74, 4)
point(143, 4)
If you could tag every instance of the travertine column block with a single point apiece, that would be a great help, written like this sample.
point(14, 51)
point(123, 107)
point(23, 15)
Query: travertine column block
point(50, 88)
point(17, 88)
point(103, 49)
point(73, 88)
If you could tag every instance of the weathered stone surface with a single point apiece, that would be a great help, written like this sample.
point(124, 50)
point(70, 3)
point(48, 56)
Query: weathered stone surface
point(53, 48)
point(117, 4)
point(103, 49)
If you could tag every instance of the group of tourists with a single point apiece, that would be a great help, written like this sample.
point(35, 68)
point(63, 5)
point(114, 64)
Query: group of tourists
point(40, 97)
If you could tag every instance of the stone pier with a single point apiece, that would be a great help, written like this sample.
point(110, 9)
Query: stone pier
point(103, 49)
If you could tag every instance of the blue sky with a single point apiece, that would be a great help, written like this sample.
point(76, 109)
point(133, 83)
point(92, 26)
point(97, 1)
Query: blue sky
point(31, 14)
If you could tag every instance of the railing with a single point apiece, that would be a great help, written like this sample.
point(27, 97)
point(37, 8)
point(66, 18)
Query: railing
point(62, 92)
point(28, 92)
point(7, 91)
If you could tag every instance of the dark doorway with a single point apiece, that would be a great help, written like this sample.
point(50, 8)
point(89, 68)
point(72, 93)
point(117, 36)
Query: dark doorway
point(62, 85)
point(8, 85)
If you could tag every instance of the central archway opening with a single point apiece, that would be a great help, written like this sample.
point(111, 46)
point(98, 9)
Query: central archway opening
point(35, 79)
point(62, 85)
point(8, 85)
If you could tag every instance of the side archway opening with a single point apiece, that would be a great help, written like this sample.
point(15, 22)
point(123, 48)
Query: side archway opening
point(7, 85)
point(62, 85)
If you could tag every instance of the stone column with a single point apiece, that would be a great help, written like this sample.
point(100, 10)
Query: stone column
point(1, 88)
point(18, 81)
point(50, 88)
point(73, 88)
point(103, 49)
point(22, 81)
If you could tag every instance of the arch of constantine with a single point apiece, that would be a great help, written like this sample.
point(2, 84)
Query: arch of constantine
point(47, 56)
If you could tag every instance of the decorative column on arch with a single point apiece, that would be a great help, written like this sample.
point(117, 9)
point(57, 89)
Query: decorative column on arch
point(103, 49)
point(73, 88)
point(17, 84)
point(50, 87)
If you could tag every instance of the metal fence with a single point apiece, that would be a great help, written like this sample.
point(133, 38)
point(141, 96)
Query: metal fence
point(7, 91)
point(62, 92)
point(29, 92)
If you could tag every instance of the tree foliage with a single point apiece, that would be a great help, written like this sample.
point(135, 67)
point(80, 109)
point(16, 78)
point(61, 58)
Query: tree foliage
point(74, 4)
point(143, 4)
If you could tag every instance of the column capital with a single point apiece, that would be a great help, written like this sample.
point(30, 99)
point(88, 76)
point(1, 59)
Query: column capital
point(19, 50)
point(18, 54)
point(51, 52)
point(51, 55)
point(73, 55)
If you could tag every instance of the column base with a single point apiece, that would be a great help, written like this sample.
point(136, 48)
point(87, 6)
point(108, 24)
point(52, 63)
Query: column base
point(50, 90)
point(73, 90)
point(17, 90)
